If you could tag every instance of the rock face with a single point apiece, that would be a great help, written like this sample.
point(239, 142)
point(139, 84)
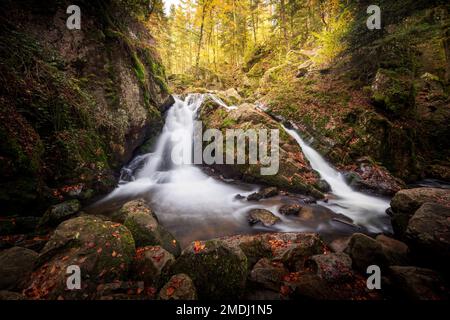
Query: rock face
point(16, 265)
point(418, 283)
point(103, 251)
point(428, 234)
point(63, 147)
point(405, 203)
point(295, 172)
point(265, 217)
point(152, 265)
point(217, 270)
point(179, 287)
point(145, 228)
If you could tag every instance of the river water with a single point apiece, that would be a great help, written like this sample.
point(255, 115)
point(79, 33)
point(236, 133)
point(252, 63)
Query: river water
point(195, 206)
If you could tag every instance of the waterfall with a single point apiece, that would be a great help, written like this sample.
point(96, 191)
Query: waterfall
point(194, 205)
point(361, 208)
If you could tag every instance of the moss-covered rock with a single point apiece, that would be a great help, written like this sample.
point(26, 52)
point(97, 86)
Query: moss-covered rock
point(217, 270)
point(16, 265)
point(60, 212)
point(103, 251)
point(146, 230)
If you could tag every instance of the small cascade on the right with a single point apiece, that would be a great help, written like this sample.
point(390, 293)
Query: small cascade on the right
point(365, 210)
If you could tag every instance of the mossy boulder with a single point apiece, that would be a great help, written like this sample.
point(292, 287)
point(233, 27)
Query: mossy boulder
point(16, 265)
point(145, 228)
point(294, 171)
point(60, 212)
point(102, 250)
point(217, 270)
point(179, 287)
point(268, 274)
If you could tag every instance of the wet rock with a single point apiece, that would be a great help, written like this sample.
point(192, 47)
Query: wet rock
point(332, 267)
point(9, 295)
point(217, 270)
point(418, 283)
point(405, 203)
point(364, 252)
point(265, 217)
point(179, 287)
point(290, 209)
point(60, 212)
point(146, 230)
point(396, 252)
point(269, 192)
point(152, 265)
point(268, 274)
point(256, 196)
point(239, 197)
point(428, 234)
point(103, 251)
point(131, 207)
point(16, 265)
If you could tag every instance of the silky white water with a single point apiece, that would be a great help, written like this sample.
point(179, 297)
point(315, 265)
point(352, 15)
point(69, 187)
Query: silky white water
point(189, 201)
point(361, 208)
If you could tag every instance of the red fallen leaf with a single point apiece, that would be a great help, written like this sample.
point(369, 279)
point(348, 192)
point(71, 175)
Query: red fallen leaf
point(139, 291)
point(65, 258)
point(198, 246)
point(91, 244)
point(170, 291)
point(99, 250)
point(158, 257)
point(108, 244)
point(151, 291)
point(113, 254)
point(116, 225)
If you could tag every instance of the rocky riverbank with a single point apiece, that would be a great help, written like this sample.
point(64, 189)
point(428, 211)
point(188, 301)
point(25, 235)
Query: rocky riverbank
point(130, 255)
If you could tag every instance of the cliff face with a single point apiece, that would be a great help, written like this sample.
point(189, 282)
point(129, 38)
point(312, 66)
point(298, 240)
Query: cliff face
point(74, 104)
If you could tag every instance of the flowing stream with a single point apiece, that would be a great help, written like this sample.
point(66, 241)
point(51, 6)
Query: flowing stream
point(194, 205)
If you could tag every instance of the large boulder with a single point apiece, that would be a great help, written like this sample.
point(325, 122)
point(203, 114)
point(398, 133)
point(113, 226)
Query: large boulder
point(255, 247)
point(294, 171)
point(179, 287)
point(145, 228)
point(365, 251)
point(102, 250)
point(16, 265)
point(418, 283)
point(217, 270)
point(428, 234)
point(405, 203)
point(152, 265)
